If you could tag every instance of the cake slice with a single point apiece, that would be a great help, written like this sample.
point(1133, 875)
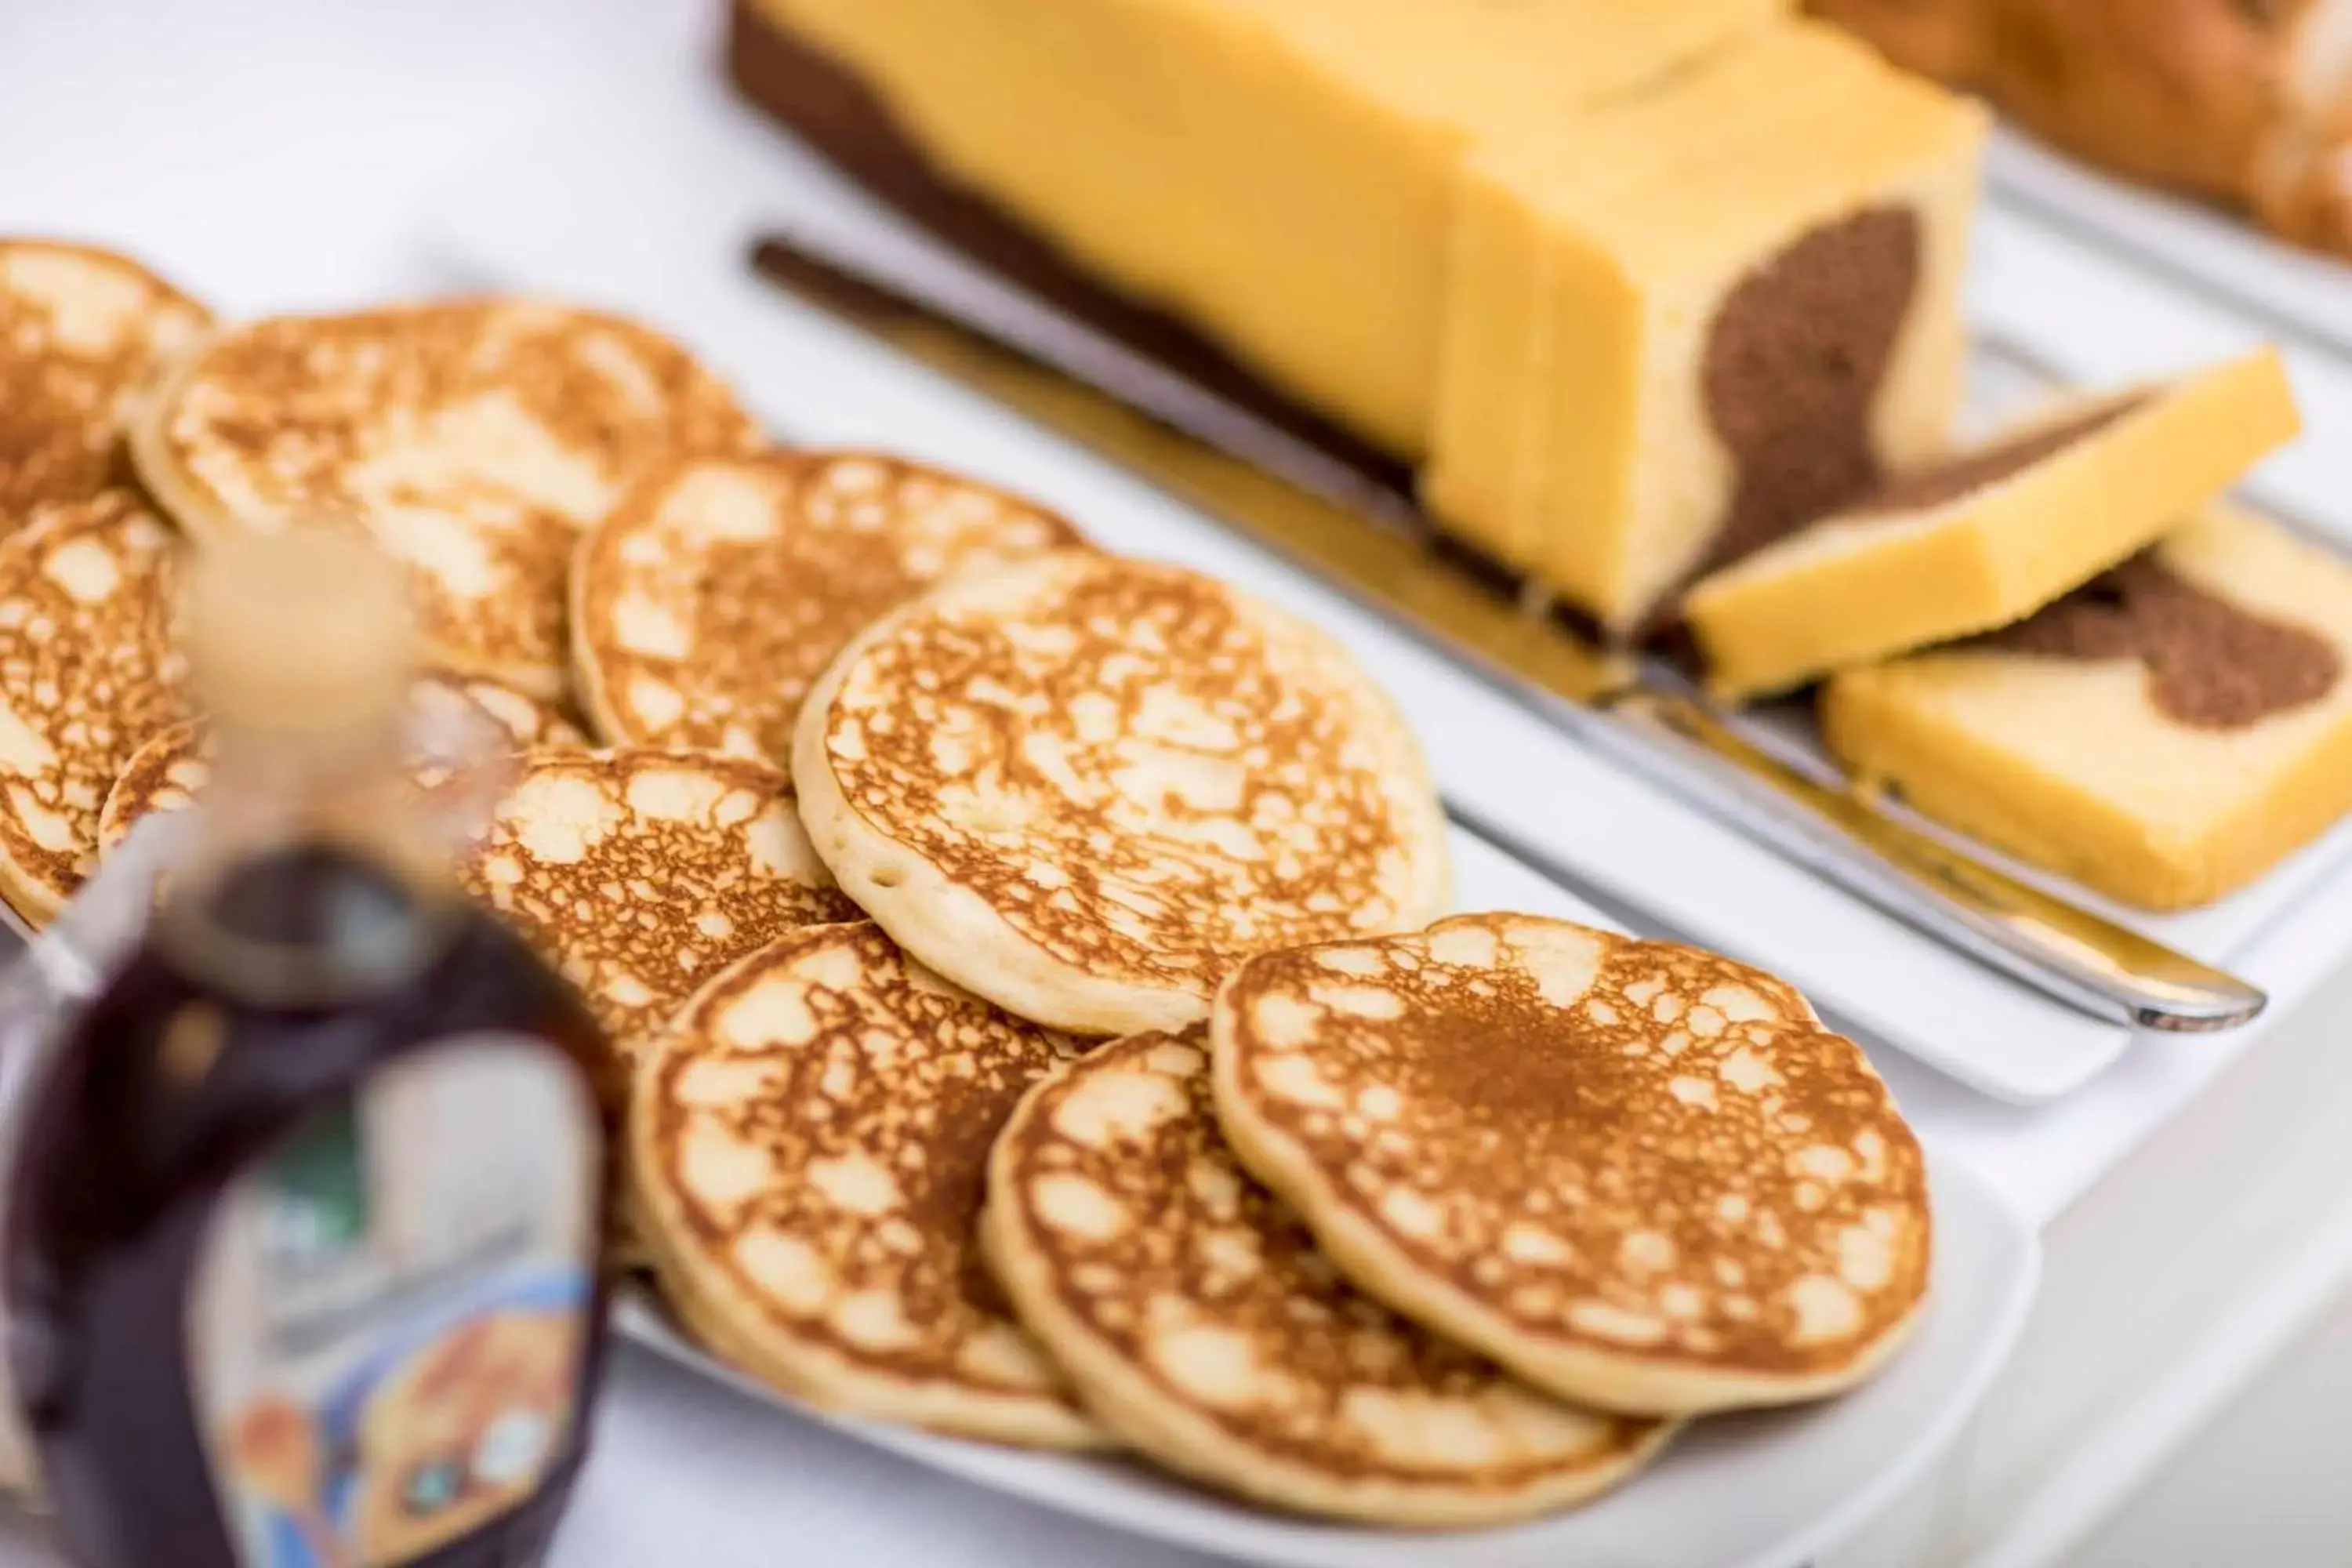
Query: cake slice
point(2164, 735)
point(1726, 335)
point(1979, 539)
point(1278, 174)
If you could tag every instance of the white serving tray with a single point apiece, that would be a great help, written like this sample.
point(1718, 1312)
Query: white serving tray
point(650, 209)
point(1759, 1490)
point(2200, 244)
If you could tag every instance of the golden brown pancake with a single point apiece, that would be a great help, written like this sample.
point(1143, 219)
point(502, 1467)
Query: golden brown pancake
point(641, 872)
point(1640, 1176)
point(473, 440)
point(173, 768)
point(807, 1150)
point(82, 331)
point(706, 606)
point(1085, 787)
point(1198, 1321)
point(87, 672)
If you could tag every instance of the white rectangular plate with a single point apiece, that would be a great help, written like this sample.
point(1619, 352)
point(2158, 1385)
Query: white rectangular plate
point(1762, 1490)
point(644, 197)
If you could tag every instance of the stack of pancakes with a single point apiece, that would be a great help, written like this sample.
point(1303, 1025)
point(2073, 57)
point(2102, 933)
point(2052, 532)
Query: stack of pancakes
point(1026, 1018)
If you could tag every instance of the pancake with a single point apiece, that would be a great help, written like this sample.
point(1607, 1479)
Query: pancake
point(167, 774)
point(1085, 787)
point(518, 718)
point(82, 331)
point(1200, 1322)
point(807, 1150)
point(87, 672)
point(640, 873)
point(1640, 1176)
point(173, 768)
point(473, 440)
point(704, 608)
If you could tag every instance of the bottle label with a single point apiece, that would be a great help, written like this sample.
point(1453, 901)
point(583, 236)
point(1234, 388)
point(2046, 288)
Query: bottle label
point(389, 1315)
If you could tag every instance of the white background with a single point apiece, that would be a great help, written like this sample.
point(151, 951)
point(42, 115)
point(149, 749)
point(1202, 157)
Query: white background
point(270, 155)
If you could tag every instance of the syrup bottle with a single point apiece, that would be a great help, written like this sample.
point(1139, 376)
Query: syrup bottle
point(302, 1267)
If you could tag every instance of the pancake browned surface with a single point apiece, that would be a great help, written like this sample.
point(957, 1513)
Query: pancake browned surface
point(641, 872)
point(1200, 1322)
point(704, 608)
point(87, 672)
point(173, 768)
point(1638, 1175)
point(473, 440)
point(806, 1150)
point(81, 330)
point(1084, 787)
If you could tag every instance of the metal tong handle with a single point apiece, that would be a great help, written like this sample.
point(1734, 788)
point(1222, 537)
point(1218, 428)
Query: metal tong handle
point(1847, 839)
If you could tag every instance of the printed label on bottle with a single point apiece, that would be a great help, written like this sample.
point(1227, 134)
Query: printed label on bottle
point(386, 1324)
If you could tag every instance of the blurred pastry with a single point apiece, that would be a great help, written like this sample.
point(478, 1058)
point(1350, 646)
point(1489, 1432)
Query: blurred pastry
point(472, 440)
point(81, 333)
point(2247, 103)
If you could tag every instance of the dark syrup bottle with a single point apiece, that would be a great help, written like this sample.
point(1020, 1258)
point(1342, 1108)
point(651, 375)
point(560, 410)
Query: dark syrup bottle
point(302, 1267)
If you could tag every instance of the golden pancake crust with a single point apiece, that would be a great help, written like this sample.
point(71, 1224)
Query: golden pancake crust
point(1638, 1175)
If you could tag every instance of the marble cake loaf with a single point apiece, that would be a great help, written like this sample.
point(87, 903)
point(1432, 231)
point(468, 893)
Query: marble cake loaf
point(1382, 220)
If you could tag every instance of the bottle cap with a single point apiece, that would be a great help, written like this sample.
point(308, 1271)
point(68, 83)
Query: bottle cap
point(301, 630)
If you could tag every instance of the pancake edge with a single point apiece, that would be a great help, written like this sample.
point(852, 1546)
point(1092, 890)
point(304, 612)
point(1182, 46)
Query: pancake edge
point(802, 1369)
point(35, 899)
point(585, 672)
point(1172, 1434)
point(1569, 1369)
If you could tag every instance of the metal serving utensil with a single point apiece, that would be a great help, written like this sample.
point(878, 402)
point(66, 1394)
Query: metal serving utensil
point(1357, 531)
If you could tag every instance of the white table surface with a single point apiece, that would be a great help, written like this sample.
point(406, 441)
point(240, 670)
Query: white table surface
point(270, 155)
